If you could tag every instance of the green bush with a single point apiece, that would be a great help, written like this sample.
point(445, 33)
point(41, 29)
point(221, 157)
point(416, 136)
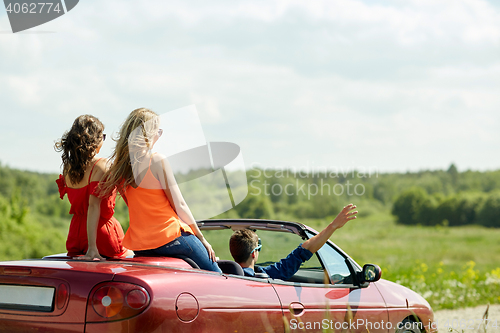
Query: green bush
point(21, 236)
point(255, 207)
point(489, 216)
point(407, 207)
point(459, 209)
point(415, 206)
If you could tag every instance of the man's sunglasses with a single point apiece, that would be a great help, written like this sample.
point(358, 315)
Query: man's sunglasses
point(258, 248)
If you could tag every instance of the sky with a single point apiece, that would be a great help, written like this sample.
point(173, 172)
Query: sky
point(394, 86)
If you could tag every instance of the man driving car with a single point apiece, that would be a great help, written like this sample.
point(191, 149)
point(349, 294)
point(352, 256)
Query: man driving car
point(245, 246)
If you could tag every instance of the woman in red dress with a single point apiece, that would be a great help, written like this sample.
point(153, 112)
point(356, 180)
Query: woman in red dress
point(93, 222)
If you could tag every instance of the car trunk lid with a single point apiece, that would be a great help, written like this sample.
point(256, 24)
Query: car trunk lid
point(52, 293)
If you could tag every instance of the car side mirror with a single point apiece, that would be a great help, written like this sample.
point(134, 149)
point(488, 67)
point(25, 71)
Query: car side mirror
point(371, 273)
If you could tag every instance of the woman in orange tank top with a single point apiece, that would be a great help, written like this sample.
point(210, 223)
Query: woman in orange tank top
point(161, 223)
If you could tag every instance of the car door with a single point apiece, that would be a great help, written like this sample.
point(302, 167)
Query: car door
point(193, 300)
point(323, 296)
point(247, 305)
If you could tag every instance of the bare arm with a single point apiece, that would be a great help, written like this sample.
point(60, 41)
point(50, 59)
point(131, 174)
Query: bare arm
point(174, 195)
point(315, 243)
point(93, 214)
point(92, 222)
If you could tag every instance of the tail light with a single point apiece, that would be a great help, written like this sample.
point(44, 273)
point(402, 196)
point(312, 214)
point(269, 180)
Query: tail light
point(111, 301)
point(61, 296)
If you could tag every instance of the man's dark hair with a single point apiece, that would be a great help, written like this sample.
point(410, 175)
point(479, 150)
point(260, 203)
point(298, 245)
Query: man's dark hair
point(242, 243)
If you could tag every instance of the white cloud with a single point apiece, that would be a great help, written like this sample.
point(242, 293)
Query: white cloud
point(288, 80)
point(410, 22)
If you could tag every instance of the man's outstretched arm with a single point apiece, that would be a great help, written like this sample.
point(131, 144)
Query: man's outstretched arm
point(316, 242)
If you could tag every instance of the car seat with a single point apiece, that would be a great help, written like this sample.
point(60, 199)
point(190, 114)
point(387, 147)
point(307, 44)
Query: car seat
point(230, 267)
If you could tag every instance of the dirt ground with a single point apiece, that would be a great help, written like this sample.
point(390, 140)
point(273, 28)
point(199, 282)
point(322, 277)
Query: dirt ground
point(467, 320)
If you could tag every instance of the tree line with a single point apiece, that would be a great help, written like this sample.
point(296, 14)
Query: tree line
point(34, 220)
point(415, 206)
point(428, 197)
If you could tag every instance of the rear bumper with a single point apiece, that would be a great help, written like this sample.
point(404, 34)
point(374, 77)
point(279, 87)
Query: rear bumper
point(33, 326)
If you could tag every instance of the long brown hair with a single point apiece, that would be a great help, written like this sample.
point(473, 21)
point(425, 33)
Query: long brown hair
point(134, 141)
point(79, 146)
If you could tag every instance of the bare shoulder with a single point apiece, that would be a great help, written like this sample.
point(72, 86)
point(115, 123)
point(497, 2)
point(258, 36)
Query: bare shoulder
point(159, 162)
point(99, 169)
point(157, 157)
point(102, 164)
point(161, 168)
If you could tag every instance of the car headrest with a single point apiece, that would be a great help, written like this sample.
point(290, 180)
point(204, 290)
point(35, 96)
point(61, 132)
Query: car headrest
point(230, 267)
point(188, 260)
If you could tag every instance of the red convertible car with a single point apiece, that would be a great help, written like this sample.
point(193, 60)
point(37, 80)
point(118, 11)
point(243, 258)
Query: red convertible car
point(330, 292)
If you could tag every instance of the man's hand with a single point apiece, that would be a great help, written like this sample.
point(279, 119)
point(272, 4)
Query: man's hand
point(345, 215)
point(315, 243)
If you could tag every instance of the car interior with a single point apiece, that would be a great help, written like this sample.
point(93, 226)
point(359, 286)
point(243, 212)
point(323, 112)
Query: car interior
point(277, 245)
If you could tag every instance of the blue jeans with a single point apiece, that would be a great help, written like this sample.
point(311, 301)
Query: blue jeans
point(186, 245)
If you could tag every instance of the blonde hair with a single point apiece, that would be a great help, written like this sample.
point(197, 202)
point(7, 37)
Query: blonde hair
point(134, 141)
